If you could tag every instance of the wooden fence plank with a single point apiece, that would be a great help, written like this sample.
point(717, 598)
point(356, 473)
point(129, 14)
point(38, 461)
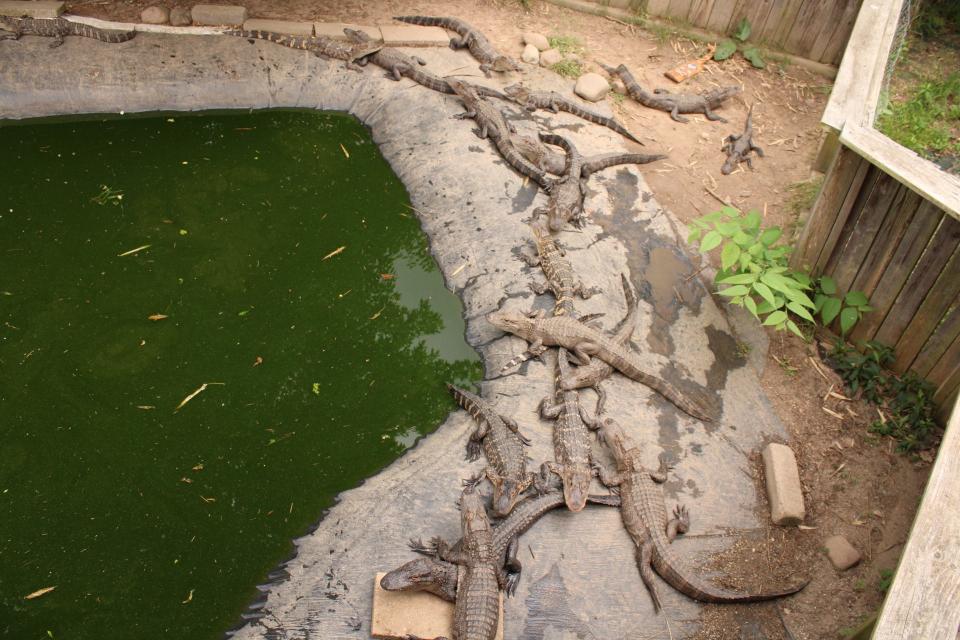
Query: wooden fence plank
point(821, 16)
point(926, 221)
point(679, 9)
point(657, 7)
point(891, 233)
point(847, 259)
point(938, 344)
point(835, 42)
point(788, 22)
point(699, 13)
point(756, 12)
point(924, 599)
point(929, 315)
point(825, 208)
point(719, 20)
point(950, 384)
point(863, 182)
point(925, 273)
point(766, 31)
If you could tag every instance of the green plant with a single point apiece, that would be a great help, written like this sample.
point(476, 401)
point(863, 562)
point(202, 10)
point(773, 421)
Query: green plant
point(739, 39)
point(886, 579)
point(802, 195)
point(565, 44)
point(568, 68)
point(829, 305)
point(860, 585)
point(863, 372)
point(926, 120)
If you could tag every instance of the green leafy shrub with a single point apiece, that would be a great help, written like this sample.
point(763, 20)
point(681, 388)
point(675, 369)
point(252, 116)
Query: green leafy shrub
point(568, 68)
point(739, 39)
point(863, 372)
point(829, 305)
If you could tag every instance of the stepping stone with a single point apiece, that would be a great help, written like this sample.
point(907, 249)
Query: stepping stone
point(783, 484)
point(286, 27)
point(842, 554)
point(218, 14)
point(335, 30)
point(412, 35)
point(397, 614)
point(40, 9)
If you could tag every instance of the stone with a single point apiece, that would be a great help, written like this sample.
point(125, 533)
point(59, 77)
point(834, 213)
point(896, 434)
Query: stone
point(530, 55)
point(155, 15)
point(537, 40)
point(219, 14)
point(783, 484)
point(617, 85)
point(286, 27)
point(180, 17)
point(412, 35)
point(842, 554)
point(335, 30)
point(37, 9)
point(399, 614)
point(592, 87)
point(550, 57)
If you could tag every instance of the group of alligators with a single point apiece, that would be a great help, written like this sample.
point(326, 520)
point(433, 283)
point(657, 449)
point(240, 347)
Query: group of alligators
point(472, 572)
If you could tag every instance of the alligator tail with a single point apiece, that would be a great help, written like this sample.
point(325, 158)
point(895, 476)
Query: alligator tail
point(607, 160)
point(521, 164)
point(103, 35)
point(623, 363)
point(596, 118)
point(426, 21)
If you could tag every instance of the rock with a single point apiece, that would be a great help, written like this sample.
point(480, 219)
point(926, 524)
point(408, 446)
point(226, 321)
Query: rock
point(219, 14)
point(783, 484)
point(573, 57)
point(530, 55)
point(842, 554)
point(180, 17)
point(550, 57)
point(155, 15)
point(537, 40)
point(617, 85)
point(592, 87)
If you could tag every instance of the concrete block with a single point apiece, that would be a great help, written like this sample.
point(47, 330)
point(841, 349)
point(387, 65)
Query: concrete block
point(412, 35)
point(286, 27)
point(783, 484)
point(218, 14)
point(842, 554)
point(335, 30)
point(38, 9)
point(398, 614)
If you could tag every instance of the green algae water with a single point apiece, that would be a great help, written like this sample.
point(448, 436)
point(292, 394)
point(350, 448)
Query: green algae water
point(209, 326)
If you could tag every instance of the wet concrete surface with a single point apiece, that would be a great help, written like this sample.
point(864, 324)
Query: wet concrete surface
point(579, 577)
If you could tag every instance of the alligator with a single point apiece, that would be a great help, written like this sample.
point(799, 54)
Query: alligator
point(500, 439)
point(491, 123)
point(586, 341)
point(560, 278)
point(490, 59)
point(645, 519)
point(566, 193)
point(355, 55)
point(552, 162)
point(571, 439)
point(553, 101)
point(400, 65)
point(440, 578)
point(674, 103)
point(57, 28)
point(738, 147)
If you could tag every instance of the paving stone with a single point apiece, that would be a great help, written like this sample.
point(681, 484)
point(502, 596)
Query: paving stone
point(550, 57)
point(286, 27)
point(413, 35)
point(842, 554)
point(592, 87)
point(399, 614)
point(155, 15)
point(335, 30)
point(180, 17)
point(530, 55)
point(218, 14)
point(536, 39)
point(783, 484)
point(39, 9)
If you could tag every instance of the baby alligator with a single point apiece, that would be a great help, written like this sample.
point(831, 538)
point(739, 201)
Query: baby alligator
point(470, 37)
point(738, 147)
point(57, 28)
point(354, 55)
point(542, 157)
point(645, 518)
point(674, 103)
point(553, 101)
point(558, 272)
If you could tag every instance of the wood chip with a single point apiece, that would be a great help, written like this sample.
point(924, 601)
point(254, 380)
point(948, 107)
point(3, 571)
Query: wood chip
point(832, 413)
point(39, 592)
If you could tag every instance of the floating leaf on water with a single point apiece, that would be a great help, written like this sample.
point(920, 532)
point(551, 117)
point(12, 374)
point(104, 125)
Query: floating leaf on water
point(243, 313)
point(186, 479)
point(377, 314)
point(387, 276)
point(193, 395)
point(133, 251)
point(335, 252)
point(208, 500)
point(183, 232)
point(157, 316)
point(39, 592)
point(315, 388)
point(345, 152)
point(258, 361)
point(198, 466)
point(146, 407)
point(189, 597)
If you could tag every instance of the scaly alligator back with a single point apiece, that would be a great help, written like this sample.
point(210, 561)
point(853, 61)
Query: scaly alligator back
point(674, 104)
point(470, 37)
point(571, 441)
point(606, 160)
point(566, 196)
point(557, 270)
point(554, 101)
point(294, 42)
point(60, 27)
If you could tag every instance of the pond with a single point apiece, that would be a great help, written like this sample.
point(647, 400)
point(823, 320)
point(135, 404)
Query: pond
point(209, 327)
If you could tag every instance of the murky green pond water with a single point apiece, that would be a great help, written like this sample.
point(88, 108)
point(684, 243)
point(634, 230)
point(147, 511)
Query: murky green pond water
point(269, 256)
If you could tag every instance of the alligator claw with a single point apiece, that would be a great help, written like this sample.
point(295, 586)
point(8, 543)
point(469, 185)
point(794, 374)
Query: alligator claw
point(513, 579)
point(473, 450)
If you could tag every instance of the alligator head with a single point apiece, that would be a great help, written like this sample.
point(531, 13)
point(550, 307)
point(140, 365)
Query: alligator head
point(512, 322)
point(506, 493)
point(424, 574)
point(504, 64)
point(613, 435)
point(576, 484)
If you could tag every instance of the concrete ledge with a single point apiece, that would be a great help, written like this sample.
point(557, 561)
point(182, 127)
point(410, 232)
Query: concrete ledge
point(412, 35)
point(144, 28)
point(38, 9)
point(335, 30)
point(783, 484)
point(286, 27)
point(218, 14)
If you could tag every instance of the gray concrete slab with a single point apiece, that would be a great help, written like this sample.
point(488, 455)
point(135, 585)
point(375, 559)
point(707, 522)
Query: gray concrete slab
point(579, 578)
point(34, 9)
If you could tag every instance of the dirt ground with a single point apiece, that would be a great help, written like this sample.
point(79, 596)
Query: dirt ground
point(855, 484)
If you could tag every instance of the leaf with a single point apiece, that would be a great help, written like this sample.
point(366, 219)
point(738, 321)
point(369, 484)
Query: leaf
point(711, 241)
point(345, 152)
point(828, 285)
point(774, 318)
point(793, 327)
point(752, 220)
point(157, 317)
point(724, 50)
point(770, 236)
point(743, 30)
point(800, 297)
point(765, 307)
point(756, 250)
point(736, 290)
point(848, 318)
point(802, 278)
point(765, 293)
point(336, 251)
point(752, 54)
point(856, 299)
point(801, 311)
point(39, 592)
point(751, 306)
point(693, 236)
point(193, 395)
point(729, 255)
point(831, 307)
point(729, 211)
point(743, 239)
point(728, 229)
point(818, 302)
point(739, 278)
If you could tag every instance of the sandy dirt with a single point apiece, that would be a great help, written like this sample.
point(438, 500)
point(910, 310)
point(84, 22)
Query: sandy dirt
point(855, 484)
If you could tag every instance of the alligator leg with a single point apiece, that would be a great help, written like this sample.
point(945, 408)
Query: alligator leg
point(513, 426)
point(513, 566)
point(644, 563)
point(458, 43)
point(474, 446)
point(712, 116)
point(552, 106)
point(539, 288)
point(675, 114)
point(608, 477)
point(549, 411)
point(486, 69)
point(601, 398)
point(586, 292)
point(589, 420)
point(757, 149)
point(679, 523)
point(660, 475)
point(466, 114)
point(583, 350)
point(420, 61)
point(749, 162)
point(58, 37)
